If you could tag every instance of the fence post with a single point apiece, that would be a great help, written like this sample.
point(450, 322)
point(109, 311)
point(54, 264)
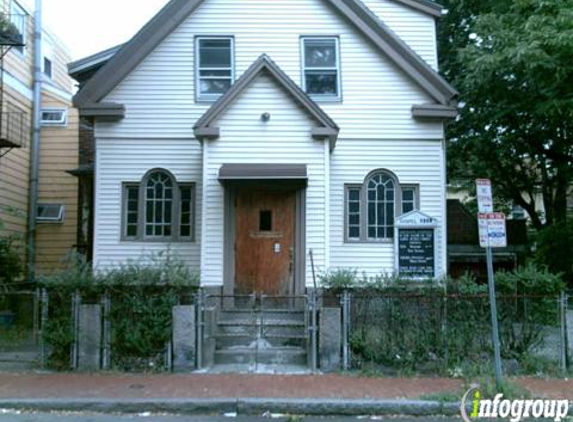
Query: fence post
point(45, 303)
point(200, 300)
point(346, 330)
point(106, 355)
point(563, 299)
point(313, 331)
point(76, 303)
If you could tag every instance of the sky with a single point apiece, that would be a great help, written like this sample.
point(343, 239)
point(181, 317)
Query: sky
point(89, 26)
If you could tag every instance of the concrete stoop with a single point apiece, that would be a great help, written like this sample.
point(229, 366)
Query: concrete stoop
point(270, 337)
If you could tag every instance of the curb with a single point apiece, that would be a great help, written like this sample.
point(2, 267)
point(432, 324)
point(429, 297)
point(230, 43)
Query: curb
point(240, 406)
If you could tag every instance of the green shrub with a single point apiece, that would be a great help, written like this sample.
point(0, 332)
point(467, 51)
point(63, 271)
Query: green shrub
point(555, 249)
point(10, 262)
point(441, 326)
point(339, 279)
point(142, 294)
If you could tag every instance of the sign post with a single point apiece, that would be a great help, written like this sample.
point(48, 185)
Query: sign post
point(492, 234)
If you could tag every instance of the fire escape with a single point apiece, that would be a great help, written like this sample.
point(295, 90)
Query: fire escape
point(13, 120)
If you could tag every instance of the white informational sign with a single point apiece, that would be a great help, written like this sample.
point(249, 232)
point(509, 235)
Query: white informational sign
point(484, 195)
point(492, 232)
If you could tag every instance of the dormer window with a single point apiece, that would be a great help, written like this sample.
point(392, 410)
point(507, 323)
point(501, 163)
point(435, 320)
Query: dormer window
point(215, 67)
point(321, 68)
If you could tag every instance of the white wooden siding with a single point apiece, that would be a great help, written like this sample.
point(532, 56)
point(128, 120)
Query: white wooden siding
point(245, 138)
point(415, 28)
point(377, 129)
point(377, 98)
point(127, 160)
point(412, 161)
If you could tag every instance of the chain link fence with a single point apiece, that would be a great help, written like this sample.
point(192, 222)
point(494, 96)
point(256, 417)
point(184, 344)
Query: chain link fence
point(20, 345)
point(451, 334)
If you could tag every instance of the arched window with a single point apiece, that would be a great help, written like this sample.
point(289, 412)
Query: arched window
point(372, 206)
point(381, 201)
point(158, 209)
point(158, 205)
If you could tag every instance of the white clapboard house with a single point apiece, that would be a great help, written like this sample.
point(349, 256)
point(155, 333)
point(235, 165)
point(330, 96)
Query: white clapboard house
point(244, 134)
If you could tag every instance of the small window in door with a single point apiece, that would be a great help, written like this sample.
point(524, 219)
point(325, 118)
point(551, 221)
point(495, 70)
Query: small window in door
point(265, 221)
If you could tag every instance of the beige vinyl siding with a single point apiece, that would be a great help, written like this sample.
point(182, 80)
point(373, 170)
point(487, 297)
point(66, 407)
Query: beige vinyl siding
point(19, 64)
point(415, 28)
point(127, 160)
point(246, 139)
point(58, 153)
point(376, 97)
point(15, 172)
point(60, 58)
point(413, 162)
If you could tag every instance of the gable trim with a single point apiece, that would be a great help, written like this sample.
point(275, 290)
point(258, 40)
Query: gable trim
point(434, 111)
point(176, 11)
point(329, 130)
point(424, 6)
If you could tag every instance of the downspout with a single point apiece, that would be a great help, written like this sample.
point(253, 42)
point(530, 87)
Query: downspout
point(35, 146)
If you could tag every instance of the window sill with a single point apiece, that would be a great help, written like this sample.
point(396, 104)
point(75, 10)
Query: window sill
point(369, 242)
point(166, 241)
point(325, 99)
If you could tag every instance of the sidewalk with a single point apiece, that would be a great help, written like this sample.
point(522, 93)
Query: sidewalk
point(227, 392)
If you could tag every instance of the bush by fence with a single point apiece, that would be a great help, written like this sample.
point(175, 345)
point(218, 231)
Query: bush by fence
point(141, 296)
point(445, 327)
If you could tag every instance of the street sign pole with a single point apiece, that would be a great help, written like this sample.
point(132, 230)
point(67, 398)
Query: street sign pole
point(492, 234)
point(494, 321)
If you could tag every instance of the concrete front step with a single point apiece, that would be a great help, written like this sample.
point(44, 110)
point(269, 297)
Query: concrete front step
point(224, 341)
point(288, 331)
point(266, 356)
point(248, 316)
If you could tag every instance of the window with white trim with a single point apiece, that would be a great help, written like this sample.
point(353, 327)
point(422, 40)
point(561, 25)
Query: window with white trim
point(47, 67)
point(372, 206)
point(50, 213)
point(410, 198)
point(215, 67)
point(54, 117)
point(158, 209)
point(321, 68)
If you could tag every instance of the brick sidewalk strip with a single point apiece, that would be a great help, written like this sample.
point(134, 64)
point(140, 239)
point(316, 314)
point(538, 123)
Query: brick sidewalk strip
point(32, 385)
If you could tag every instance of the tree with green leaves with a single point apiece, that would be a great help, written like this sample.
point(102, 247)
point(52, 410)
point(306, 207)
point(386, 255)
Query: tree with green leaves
point(512, 63)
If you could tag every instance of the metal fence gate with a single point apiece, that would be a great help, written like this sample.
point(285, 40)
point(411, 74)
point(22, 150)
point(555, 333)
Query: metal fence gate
point(258, 331)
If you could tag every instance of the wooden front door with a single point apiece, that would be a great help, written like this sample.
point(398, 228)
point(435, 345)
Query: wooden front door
point(265, 242)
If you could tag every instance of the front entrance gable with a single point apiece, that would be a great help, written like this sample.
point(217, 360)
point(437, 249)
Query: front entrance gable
point(323, 127)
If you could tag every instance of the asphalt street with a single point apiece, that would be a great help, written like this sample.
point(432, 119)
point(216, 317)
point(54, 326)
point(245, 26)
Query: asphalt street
point(12, 416)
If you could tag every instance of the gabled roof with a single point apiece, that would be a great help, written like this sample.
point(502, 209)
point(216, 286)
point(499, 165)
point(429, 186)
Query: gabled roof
point(327, 129)
point(176, 11)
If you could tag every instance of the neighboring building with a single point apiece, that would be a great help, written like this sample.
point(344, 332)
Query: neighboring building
point(465, 255)
point(57, 199)
point(244, 134)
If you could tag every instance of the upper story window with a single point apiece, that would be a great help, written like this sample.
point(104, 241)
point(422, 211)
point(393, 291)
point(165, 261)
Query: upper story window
point(158, 209)
point(47, 67)
point(372, 207)
point(215, 67)
point(321, 68)
point(18, 18)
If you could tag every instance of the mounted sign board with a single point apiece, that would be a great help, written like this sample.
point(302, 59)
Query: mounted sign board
point(492, 231)
point(484, 195)
point(416, 246)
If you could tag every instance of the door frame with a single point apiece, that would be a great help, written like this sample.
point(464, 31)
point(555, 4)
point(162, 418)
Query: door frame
point(299, 285)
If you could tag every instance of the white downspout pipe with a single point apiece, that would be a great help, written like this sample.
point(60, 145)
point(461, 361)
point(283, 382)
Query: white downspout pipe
point(35, 145)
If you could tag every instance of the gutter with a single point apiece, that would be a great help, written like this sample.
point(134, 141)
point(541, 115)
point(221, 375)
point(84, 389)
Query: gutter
point(35, 145)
